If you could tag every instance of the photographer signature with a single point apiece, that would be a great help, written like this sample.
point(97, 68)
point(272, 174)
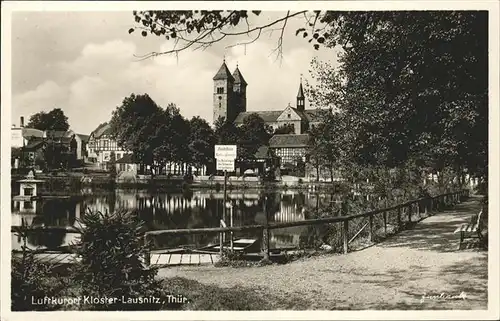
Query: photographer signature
point(443, 296)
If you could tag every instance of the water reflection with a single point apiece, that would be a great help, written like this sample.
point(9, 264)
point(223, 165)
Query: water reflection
point(194, 209)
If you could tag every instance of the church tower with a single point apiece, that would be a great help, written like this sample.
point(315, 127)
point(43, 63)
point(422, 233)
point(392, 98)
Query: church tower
point(223, 94)
point(240, 91)
point(301, 100)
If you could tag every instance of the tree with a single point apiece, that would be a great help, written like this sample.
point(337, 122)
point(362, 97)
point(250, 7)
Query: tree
point(141, 126)
point(53, 120)
point(253, 133)
point(421, 98)
point(226, 133)
point(285, 129)
point(201, 141)
point(413, 85)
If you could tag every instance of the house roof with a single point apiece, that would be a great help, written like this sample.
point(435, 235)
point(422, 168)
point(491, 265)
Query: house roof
point(102, 129)
point(34, 145)
point(56, 133)
point(127, 159)
point(238, 77)
point(84, 138)
point(223, 73)
point(289, 140)
point(267, 116)
point(32, 132)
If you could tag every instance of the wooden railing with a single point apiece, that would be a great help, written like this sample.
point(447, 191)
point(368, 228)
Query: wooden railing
point(404, 212)
point(398, 214)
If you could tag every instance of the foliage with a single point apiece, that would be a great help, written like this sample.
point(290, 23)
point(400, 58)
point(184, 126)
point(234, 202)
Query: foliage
point(112, 252)
point(55, 154)
point(53, 120)
point(285, 129)
point(31, 279)
point(253, 133)
point(154, 135)
point(412, 86)
point(201, 141)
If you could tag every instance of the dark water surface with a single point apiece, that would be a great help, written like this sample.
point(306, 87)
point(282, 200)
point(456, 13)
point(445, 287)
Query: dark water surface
point(176, 210)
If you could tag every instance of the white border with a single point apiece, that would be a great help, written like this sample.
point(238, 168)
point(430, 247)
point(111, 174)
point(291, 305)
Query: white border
point(493, 295)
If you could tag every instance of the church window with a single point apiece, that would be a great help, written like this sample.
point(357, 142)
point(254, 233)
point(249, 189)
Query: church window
point(220, 90)
point(289, 116)
point(220, 104)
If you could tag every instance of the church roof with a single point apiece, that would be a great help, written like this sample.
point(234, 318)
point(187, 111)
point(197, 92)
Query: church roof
point(315, 115)
point(289, 140)
point(301, 92)
point(238, 77)
point(267, 116)
point(223, 73)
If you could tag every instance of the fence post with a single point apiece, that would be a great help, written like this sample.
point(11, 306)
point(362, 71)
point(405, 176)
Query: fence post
point(426, 204)
point(147, 255)
point(344, 235)
point(417, 205)
point(399, 218)
point(371, 227)
point(385, 222)
point(409, 213)
point(265, 243)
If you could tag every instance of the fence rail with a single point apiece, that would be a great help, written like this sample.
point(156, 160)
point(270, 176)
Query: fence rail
point(394, 215)
point(408, 209)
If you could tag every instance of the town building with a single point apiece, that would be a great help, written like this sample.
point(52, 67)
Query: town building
point(101, 145)
point(229, 102)
point(29, 143)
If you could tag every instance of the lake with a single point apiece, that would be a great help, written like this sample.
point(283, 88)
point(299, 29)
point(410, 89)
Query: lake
point(175, 210)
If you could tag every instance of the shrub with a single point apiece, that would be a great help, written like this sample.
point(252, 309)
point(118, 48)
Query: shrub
point(31, 279)
point(112, 264)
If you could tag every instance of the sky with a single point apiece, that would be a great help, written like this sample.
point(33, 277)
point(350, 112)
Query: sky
point(85, 63)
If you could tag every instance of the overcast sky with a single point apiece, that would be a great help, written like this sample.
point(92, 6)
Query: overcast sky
point(83, 63)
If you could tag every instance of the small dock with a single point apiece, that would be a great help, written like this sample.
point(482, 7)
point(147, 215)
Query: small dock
point(157, 259)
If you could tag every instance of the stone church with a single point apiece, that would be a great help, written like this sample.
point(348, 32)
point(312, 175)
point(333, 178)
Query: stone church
point(230, 102)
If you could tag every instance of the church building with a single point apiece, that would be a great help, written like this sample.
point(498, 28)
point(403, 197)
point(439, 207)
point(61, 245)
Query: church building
point(229, 102)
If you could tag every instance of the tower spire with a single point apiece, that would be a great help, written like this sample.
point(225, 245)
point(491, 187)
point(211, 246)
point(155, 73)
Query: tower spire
point(300, 97)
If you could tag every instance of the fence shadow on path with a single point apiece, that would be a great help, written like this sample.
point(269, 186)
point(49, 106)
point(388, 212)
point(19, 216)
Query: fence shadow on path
point(435, 233)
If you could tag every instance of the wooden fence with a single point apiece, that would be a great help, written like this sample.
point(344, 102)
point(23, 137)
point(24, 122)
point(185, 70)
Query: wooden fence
point(397, 216)
point(371, 224)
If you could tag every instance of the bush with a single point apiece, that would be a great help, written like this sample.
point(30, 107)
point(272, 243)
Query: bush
point(112, 261)
point(31, 280)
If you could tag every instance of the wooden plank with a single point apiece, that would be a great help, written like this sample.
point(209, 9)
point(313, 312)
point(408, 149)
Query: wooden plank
point(215, 258)
point(236, 248)
point(247, 241)
point(195, 259)
point(163, 259)
point(175, 259)
point(205, 259)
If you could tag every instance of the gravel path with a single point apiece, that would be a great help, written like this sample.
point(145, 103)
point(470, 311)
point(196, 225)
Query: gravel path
point(394, 274)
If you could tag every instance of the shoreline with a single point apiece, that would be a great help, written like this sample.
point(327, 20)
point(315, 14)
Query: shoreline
point(64, 180)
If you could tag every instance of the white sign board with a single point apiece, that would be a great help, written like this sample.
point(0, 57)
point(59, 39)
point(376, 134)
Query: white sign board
point(225, 164)
point(225, 151)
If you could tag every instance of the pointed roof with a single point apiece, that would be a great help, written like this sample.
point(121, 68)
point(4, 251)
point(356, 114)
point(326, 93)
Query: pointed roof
point(223, 73)
point(301, 91)
point(238, 77)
